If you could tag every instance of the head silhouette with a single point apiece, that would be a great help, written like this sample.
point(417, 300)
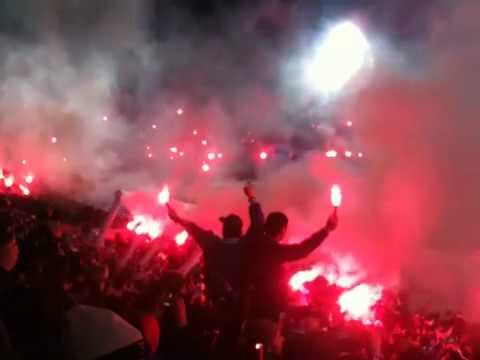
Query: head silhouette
point(232, 226)
point(276, 225)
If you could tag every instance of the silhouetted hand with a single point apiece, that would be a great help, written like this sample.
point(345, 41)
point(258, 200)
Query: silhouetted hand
point(248, 190)
point(332, 222)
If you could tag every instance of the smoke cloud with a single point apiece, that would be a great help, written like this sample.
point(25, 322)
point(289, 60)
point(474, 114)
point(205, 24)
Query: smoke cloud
point(95, 78)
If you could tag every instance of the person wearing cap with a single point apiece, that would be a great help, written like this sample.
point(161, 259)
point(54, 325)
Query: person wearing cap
point(223, 255)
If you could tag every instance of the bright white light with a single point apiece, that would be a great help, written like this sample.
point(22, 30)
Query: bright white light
point(344, 52)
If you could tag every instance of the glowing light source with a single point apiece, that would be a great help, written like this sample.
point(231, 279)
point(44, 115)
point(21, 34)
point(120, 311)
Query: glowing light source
point(29, 179)
point(53, 140)
point(181, 238)
point(348, 153)
point(25, 190)
point(105, 118)
point(360, 155)
point(164, 196)
point(219, 155)
point(205, 168)
point(204, 142)
point(211, 156)
point(181, 153)
point(180, 111)
point(8, 181)
point(173, 149)
point(263, 155)
point(298, 280)
point(343, 53)
point(336, 196)
point(349, 123)
point(24, 162)
point(149, 155)
point(358, 303)
point(195, 132)
point(154, 126)
point(331, 154)
point(258, 346)
point(144, 225)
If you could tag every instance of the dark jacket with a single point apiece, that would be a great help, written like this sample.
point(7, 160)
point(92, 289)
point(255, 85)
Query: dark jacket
point(225, 258)
point(268, 279)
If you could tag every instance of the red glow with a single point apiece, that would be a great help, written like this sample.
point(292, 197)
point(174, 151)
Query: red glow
point(336, 196)
point(9, 180)
point(263, 155)
point(181, 238)
point(358, 303)
point(298, 280)
point(205, 167)
point(164, 196)
point(331, 154)
point(145, 225)
point(258, 346)
point(25, 190)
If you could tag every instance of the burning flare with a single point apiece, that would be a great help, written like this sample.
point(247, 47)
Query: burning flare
point(336, 196)
point(358, 303)
point(144, 225)
point(181, 238)
point(164, 196)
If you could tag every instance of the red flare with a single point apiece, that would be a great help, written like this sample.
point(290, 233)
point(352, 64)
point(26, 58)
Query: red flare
point(336, 196)
point(331, 154)
point(9, 181)
point(181, 238)
point(263, 155)
point(25, 190)
point(164, 196)
point(358, 303)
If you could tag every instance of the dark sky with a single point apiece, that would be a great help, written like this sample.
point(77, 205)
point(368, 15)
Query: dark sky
point(399, 17)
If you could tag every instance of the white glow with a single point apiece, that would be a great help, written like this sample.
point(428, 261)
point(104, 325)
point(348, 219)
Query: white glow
point(343, 53)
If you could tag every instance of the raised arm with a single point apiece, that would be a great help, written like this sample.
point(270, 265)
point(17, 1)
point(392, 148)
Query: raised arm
point(203, 237)
point(299, 251)
point(257, 219)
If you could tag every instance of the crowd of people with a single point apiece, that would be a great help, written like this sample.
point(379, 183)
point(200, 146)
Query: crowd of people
point(65, 295)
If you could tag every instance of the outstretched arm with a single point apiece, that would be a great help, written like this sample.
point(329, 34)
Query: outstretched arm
point(299, 251)
point(203, 237)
